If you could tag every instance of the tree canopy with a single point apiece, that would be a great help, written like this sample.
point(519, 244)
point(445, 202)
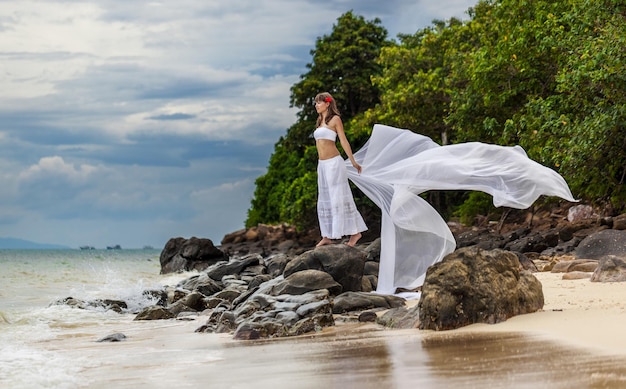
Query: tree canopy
point(549, 76)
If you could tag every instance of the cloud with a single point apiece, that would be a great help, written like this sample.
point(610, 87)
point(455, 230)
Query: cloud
point(132, 122)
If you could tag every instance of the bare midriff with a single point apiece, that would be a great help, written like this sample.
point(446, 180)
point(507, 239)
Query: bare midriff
point(326, 149)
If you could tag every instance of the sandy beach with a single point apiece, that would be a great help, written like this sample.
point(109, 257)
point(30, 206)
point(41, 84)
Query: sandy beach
point(578, 331)
point(579, 313)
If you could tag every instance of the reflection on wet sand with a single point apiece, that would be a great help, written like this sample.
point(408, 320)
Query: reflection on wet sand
point(410, 359)
point(347, 356)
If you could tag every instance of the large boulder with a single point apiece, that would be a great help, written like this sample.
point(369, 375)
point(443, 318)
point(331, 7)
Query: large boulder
point(344, 263)
point(599, 244)
point(472, 285)
point(180, 254)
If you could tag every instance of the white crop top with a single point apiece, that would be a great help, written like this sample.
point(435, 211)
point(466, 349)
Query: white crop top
point(325, 133)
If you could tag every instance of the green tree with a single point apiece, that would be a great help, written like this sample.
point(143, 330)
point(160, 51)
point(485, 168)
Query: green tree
point(343, 64)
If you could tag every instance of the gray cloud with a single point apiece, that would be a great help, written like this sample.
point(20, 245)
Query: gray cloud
point(133, 122)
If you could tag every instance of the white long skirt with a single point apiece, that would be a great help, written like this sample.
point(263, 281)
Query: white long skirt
point(398, 165)
point(337, 213)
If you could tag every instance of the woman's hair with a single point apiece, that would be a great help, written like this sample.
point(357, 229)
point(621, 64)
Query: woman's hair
point(332, 108)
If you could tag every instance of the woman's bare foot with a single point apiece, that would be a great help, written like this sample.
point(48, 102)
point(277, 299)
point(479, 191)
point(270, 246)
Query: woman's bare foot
point(353, 239)
point(324, 242)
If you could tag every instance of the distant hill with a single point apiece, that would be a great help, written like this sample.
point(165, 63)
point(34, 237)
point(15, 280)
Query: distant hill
point(14, 243)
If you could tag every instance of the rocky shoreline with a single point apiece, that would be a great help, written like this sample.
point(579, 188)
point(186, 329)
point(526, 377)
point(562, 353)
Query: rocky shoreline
point(270, 281)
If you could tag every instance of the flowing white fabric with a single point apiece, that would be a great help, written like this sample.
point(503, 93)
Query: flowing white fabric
point(398, 165)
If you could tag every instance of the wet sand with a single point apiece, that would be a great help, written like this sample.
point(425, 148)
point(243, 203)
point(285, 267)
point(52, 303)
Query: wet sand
point(575, 342)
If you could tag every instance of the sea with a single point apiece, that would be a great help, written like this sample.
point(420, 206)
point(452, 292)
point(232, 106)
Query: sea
point(48, 345)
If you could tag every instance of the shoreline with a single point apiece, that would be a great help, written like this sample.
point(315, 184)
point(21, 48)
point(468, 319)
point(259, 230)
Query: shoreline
point(578, 331)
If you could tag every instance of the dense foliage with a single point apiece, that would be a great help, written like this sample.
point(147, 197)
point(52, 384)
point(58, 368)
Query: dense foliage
point(547, 75)
point(343, 64)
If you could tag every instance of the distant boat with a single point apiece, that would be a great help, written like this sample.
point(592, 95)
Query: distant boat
point(87, 248)
point(116, 247)
point(148, 248)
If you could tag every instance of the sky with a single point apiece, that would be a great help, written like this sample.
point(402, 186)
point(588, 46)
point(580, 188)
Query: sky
point(133, 122)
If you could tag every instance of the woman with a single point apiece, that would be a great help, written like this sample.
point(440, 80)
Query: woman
point(336, 210)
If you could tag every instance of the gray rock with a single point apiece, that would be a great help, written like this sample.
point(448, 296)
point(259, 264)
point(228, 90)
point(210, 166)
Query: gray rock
point(311, 324)
point(276, 264)
point(367, 316)
point(117, 337)
point(599, 244)
point(155, 313)
point(583, 265)
point(227, 294)
point(371, 268)
point(314, 308)
point(219, 270)
point(358, 301)
point(306, 281)
point(345, 264)
point(400, 317)
point(372, 251)
point(611, 268)
point(180, 254)
point(287, 318)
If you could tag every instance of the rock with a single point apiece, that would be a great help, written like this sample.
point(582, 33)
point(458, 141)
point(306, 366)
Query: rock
point(258, 280)
point(345, 264)
point(180, 254)
point(576, 275)
point(472, 285)
point(358, 301)
point(155, 313)
point(611, 268)
point(535, 242)
point(482, 238)
point(201, 283)
point(599, 244)
point(583, 265)
point(276, 264)
point(400, 317)
point(219, 270)
point(526, 263)
point(307, 281)
point(372, 251)
point(264, 316)
point(367, 316)
point(311, 324)
point(251, 331)
point(158, 296)
point(371, 268)
point(118, 306)
point(619, 222)
point(580, 212)
point(117, 337)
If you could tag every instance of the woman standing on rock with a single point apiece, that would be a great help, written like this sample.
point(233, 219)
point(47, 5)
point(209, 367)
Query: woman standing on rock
point(337, 213)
